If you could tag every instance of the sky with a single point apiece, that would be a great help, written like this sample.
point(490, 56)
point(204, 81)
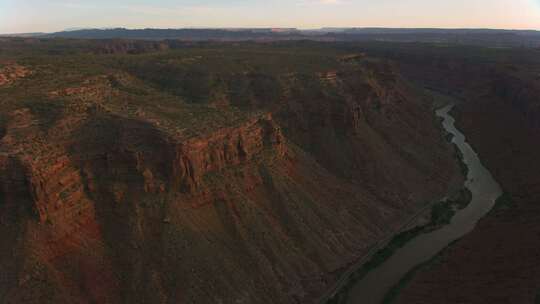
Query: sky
point(23, 16)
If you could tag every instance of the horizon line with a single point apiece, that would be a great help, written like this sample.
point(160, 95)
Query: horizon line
point(271, 27)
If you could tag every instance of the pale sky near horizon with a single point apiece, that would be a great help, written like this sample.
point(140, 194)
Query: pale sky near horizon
point(21, 16)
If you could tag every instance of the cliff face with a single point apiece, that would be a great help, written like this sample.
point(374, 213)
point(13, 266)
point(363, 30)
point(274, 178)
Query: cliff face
point(371, 128)
point(106, 198)
point(63, 195)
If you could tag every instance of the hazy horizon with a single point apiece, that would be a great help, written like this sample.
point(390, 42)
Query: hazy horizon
point(57, 15)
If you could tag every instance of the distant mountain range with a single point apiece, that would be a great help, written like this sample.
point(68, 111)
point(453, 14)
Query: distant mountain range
point(488, 37)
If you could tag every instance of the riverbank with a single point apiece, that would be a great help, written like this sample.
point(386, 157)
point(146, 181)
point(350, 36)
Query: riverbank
point(335, 294)
point(504, 202)
point(373, 285)
point(498, 261)
point(412, 227)
point(441, 213)
point(429, 218)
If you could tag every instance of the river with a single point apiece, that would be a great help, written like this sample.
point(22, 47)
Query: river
point(485, 190)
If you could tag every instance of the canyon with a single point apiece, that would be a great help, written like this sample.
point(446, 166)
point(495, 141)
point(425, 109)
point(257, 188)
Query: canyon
point(123, 183)
point(243, 172)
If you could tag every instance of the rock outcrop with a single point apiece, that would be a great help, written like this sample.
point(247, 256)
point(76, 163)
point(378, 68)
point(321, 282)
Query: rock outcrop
point(10, 72)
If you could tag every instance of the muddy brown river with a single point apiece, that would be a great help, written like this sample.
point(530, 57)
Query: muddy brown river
point(485, 190)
